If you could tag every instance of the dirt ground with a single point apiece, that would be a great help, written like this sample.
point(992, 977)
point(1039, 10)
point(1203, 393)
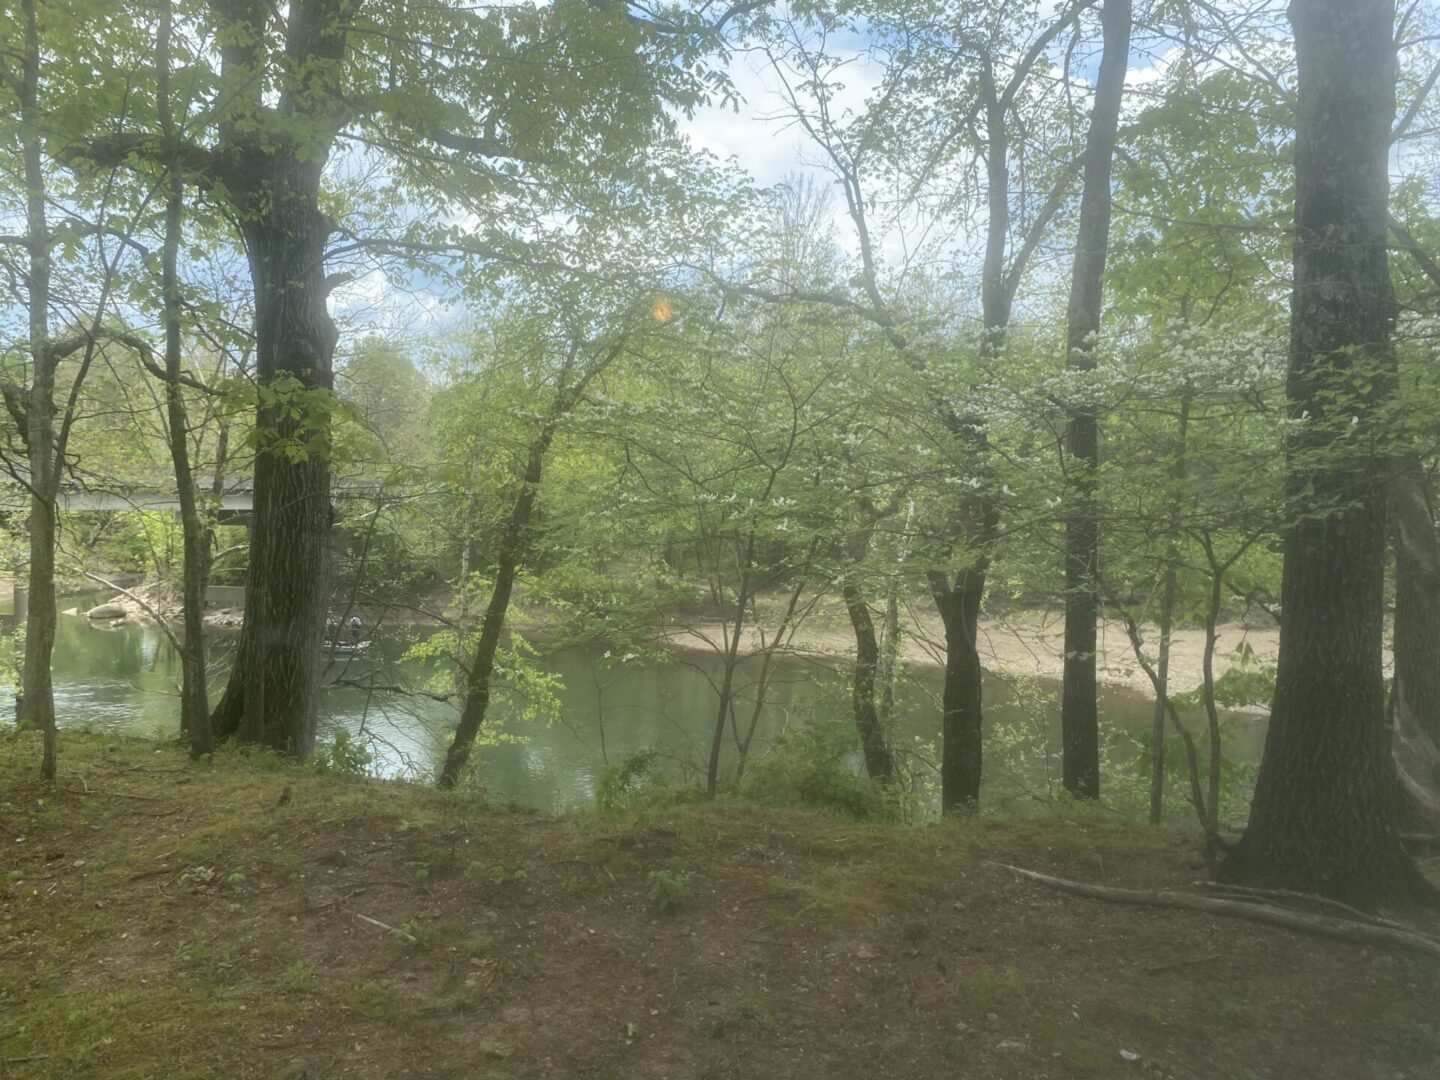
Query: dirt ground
point(1028, 642)
point(249, 919)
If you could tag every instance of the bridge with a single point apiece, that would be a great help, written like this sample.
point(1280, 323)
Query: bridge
point(236, 505)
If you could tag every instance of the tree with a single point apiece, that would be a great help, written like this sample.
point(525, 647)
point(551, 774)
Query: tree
point(1079, 722)
point(1324, 818)
point(575, 364)
point(960, 87)
point(531, 110)
point(42, 427)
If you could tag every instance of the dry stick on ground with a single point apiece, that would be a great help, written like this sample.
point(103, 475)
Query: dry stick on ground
point(1322, 925)
point(386, 926)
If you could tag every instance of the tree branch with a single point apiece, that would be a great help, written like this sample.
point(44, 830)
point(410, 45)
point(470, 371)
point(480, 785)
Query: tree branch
point(1320, 925)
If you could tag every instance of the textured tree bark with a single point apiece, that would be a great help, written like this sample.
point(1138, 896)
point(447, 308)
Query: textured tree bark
point(960, 761)
point(879, 764)
point(1079, 718)
point(1415, 691)
point(272, 174)
point(1324, 816)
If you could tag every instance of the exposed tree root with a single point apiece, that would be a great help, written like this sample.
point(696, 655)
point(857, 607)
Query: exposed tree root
point(1363, 933)
point(1290, 897)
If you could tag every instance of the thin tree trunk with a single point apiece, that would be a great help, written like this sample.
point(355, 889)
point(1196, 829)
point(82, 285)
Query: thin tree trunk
point(1079, 718)
point(879, 764)
point(1162, 696)
point(785, 631)
point(1324, 818)
point(514, 543)
point(39, 699)
point(194, 708)
point(727, 678)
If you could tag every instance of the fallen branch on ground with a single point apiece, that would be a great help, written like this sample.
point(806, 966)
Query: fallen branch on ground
point(1321, 925)
point(386, 926)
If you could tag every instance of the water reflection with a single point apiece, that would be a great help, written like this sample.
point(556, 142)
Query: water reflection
point(125, 680)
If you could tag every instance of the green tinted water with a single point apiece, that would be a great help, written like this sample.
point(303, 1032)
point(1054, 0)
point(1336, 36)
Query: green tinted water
point(125, 680)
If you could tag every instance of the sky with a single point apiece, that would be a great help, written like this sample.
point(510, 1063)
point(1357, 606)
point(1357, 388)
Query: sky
point(757, 134)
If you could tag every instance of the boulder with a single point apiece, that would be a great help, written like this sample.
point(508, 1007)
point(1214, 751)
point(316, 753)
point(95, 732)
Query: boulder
point(107, 611)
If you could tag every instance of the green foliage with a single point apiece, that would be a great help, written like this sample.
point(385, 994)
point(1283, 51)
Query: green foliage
point(633, 786)
point(1244, 684)
point(343, 757)
point(530, 690)
point(815, 765)
point(299, 422)
point(413, 933)
point(668, 888)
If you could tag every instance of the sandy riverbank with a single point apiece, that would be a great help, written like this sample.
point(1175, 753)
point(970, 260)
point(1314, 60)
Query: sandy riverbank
point(1026, 643)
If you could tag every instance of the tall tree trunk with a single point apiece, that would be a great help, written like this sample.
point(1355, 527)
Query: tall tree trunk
point(39, 698)
point(514, 545)
point(273, 697)
point(1079, 719)
point(272, 172)
point(958, 600)
point(194, 708)
point(1415, 692)
point(1323, 818)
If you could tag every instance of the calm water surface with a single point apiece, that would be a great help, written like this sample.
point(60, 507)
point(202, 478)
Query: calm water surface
point(125, 680)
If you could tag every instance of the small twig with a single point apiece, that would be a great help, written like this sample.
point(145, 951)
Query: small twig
point(311, 909)
point(387, 927)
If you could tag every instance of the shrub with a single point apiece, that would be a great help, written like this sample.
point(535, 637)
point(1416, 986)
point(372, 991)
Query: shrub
point(668, 888)
point(343, 756)
point(816, 765)
point(632, 786)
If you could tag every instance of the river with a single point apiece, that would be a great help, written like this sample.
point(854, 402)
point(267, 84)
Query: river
point(124, 680)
